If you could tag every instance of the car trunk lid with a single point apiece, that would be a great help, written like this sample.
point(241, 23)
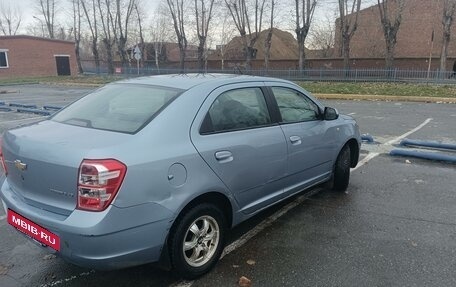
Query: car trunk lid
point(43, 161)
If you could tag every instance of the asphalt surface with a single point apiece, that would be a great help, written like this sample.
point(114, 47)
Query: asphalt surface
point(396, 225)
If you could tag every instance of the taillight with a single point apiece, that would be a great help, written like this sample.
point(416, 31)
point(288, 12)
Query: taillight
point(98, 183)
point(2, 159)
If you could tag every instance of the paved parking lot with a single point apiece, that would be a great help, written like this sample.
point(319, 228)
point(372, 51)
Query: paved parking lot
point(396, 226)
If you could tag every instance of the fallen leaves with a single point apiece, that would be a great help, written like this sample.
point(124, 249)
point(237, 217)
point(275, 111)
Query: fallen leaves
point(244, 282)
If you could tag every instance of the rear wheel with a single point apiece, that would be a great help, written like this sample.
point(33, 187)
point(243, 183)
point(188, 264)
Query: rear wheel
point(197, 240)
point(342, 170)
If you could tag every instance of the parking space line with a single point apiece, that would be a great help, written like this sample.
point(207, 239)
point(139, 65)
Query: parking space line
point(408, 133)
point(373, 155)
point(2, 217)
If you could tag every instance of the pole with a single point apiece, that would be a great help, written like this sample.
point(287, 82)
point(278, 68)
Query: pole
point(430, 54)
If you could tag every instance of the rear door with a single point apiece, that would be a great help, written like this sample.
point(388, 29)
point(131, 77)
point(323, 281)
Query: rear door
point(309, 141)
point(237, 137)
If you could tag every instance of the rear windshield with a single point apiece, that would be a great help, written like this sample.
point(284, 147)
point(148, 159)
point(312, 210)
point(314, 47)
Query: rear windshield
point(123, 108)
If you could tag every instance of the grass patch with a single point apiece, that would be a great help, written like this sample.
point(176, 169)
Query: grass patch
point(384, 89)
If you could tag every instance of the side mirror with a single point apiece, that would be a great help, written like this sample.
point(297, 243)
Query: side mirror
point(330, 114)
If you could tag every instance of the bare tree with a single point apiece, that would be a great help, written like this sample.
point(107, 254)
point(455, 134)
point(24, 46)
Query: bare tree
point(47, 8)
point(321, 37)
point(348, 12)
point(268, 40)
point(176, 8)
point(77, 31)
point(91, 17)
point(123, 16)
point(10, 19)
point(248, 28)
point(139, 17)
point(108, 23)
point(449, 8)
point(159, 33)
point(304, 15)
point(227, 31)
point(391, 21)
point(203, 15)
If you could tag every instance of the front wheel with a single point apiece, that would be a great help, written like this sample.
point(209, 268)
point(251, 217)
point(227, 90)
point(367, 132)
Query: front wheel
point(197, 240)
point(342, 170)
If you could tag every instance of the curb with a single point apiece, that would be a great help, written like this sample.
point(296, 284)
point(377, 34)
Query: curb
point(438, 100)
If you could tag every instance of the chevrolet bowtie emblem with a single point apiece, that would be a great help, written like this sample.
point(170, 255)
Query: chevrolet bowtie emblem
point(20, 165)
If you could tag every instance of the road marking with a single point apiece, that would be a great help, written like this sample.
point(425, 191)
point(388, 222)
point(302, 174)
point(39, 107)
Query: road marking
point(2, 217)
point(265, 223)
point(351, 114)
point(409, 133)
point(372, 155)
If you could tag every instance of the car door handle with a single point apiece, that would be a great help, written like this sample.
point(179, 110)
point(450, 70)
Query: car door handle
point(295, 140)
point(224, 156)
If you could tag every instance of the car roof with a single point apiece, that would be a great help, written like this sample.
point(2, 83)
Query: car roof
point(187, 81)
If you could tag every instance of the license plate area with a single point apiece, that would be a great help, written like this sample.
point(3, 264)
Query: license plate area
point(33, 230)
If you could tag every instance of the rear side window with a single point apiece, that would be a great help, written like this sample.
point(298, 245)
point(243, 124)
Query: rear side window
point(118, 107)
point(294, 106)
point(237, 109)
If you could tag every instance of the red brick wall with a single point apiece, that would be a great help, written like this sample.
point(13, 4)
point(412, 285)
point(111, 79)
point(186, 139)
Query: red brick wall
point(33, 56)
point(419, 18)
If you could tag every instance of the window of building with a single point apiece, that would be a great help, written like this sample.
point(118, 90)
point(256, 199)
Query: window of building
point(3, 58)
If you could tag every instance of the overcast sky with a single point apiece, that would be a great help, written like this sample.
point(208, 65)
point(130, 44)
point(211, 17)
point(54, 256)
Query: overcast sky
point(325, 9)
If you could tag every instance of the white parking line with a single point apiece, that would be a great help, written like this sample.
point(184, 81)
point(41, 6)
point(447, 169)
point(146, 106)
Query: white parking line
point(265, 223)
point(2, 217)
point(394, 140)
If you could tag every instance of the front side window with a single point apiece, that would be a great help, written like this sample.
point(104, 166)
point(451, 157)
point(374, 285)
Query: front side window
point(118, 107)
point(3, 59)
point(294, 106)
point(237, 109)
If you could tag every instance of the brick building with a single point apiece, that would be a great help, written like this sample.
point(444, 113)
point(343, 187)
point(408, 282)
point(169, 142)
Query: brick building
point(419, 19)
point(34, 56)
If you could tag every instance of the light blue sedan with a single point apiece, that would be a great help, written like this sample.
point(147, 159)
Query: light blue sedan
point(157, 169)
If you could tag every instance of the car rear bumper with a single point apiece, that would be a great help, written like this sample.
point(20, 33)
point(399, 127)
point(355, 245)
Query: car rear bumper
point(112, 239)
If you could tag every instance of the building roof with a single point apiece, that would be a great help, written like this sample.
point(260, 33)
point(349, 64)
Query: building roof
point(35, 38)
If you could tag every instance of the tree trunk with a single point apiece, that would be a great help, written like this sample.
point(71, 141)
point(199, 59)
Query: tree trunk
point(109, 56)
point(444, 53)
point(346, 54)
point(201, 57)
point(156, 57)
point(182, 59)
point(267, 50)
point(96, 55)
point(78, 56)
point(248, 59)
point(389, 58)
point(302, 53)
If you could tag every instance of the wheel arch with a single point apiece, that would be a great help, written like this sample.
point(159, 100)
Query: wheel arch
point(217, 198)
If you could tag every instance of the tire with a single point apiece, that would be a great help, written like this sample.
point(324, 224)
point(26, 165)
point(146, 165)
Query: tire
point(204, 245)
point(342, 170)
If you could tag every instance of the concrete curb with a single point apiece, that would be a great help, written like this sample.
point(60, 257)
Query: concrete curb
point(438, 100)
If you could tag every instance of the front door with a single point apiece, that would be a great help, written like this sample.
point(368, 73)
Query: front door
point(308, 138)
point(63, 65)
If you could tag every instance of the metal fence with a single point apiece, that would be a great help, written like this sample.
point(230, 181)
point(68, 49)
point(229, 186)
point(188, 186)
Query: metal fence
point(329, 75)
